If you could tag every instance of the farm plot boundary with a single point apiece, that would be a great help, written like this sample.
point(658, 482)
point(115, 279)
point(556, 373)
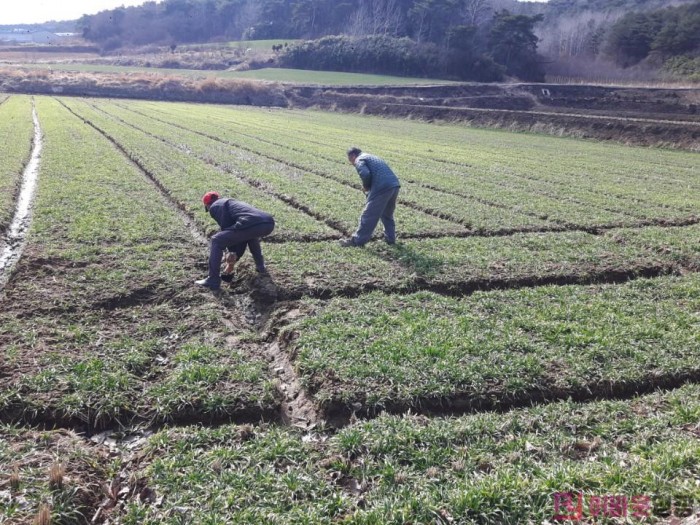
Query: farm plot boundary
point(417, 283)
point(273, 316)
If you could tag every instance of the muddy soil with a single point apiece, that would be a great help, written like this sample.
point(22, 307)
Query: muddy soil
point(649, 117)
point(12, 244)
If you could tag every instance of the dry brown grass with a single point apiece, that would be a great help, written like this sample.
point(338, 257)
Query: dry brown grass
point(15, 481)
point(630, 83)
point(56, 474)
point(44, 516)
point(45, 58)
point(142, 85)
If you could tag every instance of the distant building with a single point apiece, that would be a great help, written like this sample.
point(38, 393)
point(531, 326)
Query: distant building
point(33, 37)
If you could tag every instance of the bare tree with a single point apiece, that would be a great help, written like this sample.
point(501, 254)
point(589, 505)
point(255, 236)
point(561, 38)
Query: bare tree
point(376, 17)
point(476, 11)
point(248, 15)
point(388, 16)
point(574, 35)
point(360, 21)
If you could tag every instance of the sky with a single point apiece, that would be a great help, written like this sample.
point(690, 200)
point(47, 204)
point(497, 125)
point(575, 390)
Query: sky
point(38, 11)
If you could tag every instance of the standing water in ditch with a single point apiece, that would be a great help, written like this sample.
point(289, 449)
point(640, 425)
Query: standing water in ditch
point(12, 243)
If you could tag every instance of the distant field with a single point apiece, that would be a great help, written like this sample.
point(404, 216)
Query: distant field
point(533, 333)
point(297, 76)
point(265, 45)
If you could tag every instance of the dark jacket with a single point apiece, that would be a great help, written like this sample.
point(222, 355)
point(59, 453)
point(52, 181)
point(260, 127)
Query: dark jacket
point(376, 174)
point(231, 214)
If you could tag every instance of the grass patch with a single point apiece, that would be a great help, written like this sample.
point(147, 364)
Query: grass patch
point(331, 78)
point(522, 258)
point(681, 245)
point(103, 299)
point(16, 133)
point(210, 381)
point(55, 470)
point(484, 468)
point(498, 348)
point(326, 269)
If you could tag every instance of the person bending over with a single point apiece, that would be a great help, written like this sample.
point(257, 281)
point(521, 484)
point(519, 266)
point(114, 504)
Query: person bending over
point(240, 223)
point(381, 186)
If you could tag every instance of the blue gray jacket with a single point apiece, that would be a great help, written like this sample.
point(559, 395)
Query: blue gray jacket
point(231, 214)
point(376, 174)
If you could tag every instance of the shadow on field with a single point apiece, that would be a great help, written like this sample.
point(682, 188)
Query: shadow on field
point(419, 262)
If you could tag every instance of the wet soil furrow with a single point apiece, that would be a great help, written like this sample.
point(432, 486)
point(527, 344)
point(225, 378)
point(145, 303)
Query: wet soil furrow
point(13, 241)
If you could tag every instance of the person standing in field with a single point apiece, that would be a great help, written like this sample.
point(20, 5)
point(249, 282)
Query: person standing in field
point(240, 224)
point(381, 186)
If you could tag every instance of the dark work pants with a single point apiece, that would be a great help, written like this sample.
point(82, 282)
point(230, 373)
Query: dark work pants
point(231, 237)
point(378, 207)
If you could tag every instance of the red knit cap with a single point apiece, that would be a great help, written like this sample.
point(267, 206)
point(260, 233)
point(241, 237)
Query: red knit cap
point(209, 198)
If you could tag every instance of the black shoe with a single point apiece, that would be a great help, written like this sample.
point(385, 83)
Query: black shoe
point(206, 283)
point(347, 243)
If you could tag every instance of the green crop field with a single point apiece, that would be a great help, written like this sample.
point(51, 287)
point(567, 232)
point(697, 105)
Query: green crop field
point(16, 132)
point(527, 352)
point(265, 45)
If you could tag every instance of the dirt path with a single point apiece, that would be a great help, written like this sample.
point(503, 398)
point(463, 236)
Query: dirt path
point(13, 242)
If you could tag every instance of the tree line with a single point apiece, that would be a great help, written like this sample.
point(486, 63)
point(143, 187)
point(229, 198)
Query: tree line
point(662, 34)
point(179, 21)
point(605, 36)
point(465, 39)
